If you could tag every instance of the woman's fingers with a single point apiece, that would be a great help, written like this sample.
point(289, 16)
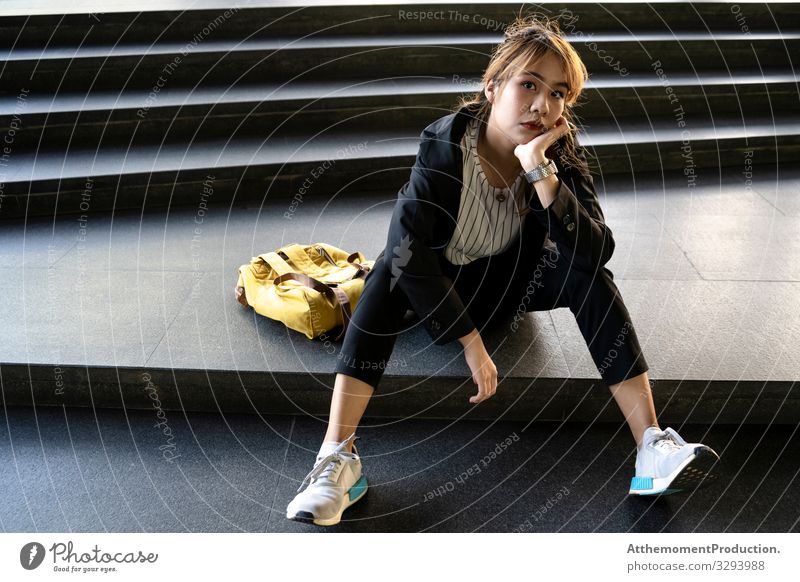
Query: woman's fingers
point(484, 373)
point(478, 397)
point(481, 395)
point(487, 387)
point(559, 130)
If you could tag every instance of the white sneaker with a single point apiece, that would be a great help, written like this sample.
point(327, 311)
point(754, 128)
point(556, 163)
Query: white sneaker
point(335, 483)
point(668, 464)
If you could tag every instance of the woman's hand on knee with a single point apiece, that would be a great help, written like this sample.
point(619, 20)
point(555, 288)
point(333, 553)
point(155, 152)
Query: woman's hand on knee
point(484, 372)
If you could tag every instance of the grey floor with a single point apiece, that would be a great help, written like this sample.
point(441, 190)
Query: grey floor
point(79, 470)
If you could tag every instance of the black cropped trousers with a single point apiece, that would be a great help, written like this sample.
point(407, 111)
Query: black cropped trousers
point(499, 287)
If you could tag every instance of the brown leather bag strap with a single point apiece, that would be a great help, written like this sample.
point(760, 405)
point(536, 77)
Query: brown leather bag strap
point(362, 269)
point(344, 305)
point(329, 290)
point(310, 282)
point(321, 250)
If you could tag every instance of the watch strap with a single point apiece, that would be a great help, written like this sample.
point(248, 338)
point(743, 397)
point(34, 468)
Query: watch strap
point(542, 171)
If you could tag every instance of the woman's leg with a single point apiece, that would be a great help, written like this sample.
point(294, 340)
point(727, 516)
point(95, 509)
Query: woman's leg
point(665, 462)
point(635, 400)
point(604, 321)
point(607, 327)
point(336, 481)
point(370, 340)
point(350, 399)
point(368, 344)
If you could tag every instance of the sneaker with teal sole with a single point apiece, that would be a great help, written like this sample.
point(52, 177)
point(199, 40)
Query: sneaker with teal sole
point(334, 484)
point(665, 464)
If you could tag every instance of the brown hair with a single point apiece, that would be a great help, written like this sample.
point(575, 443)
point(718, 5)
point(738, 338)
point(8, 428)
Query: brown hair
point(528, 39)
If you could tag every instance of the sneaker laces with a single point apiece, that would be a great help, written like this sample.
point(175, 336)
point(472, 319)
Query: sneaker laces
point(327, 465)
point(669, 441)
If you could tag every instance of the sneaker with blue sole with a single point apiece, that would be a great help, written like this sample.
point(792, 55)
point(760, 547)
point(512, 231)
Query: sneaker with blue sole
point(334, 484)
point(666, 464)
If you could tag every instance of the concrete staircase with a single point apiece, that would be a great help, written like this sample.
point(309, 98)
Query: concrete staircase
point(148, 104)
point(127, 130)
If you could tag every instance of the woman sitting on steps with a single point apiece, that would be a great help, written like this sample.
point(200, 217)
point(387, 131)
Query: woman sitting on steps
point(499, 215)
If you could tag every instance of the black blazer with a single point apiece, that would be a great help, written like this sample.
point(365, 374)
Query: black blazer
point(424, 219)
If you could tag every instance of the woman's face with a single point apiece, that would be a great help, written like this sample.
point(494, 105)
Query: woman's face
point(530, 100)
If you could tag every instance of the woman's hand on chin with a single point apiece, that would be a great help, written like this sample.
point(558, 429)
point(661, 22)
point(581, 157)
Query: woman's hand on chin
point(532, 154)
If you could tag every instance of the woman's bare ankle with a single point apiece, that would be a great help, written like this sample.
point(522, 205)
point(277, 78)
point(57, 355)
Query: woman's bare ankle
point(350, 399)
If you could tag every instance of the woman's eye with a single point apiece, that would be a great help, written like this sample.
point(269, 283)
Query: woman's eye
point(524, 83)
point(558, 94)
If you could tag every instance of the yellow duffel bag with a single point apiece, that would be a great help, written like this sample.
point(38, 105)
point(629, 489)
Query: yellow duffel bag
point(312, 289)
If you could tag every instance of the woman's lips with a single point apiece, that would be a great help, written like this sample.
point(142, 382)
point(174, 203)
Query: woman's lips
point(532, 126)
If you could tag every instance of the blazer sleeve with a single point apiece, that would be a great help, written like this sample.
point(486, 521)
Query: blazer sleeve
point(414, 265)
point(574, 220)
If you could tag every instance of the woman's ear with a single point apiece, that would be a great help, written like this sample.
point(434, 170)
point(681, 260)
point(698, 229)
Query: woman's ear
point(490, 90)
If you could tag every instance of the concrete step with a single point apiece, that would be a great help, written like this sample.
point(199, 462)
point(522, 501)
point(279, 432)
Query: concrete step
point(96, 119)
point(25, 23)
point(237, 473)
point(224, 62)
point(94, 303)
point(250, 169)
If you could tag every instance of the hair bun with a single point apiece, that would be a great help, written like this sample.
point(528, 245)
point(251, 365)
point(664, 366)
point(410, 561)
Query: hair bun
point(532, 26)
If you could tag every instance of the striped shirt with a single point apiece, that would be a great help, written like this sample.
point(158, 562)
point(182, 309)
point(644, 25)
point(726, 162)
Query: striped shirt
point(488, 217)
